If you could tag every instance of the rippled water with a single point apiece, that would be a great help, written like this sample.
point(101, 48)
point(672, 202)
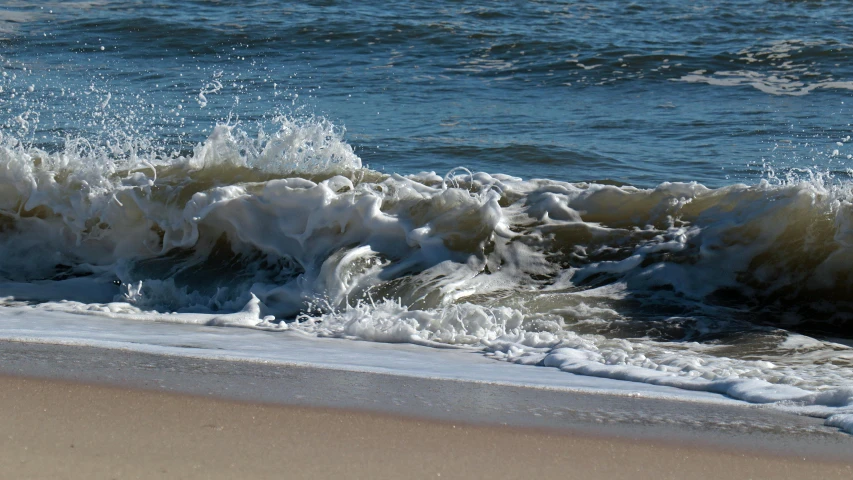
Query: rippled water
point(656, 193)
point(581, 91)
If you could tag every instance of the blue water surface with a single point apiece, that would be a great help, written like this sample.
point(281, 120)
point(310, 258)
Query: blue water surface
point(635, 93)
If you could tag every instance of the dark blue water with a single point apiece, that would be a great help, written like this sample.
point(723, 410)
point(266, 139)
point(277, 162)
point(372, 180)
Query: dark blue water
point(633, 93)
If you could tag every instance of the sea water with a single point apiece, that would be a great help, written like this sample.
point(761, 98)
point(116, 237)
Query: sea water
point(658, 194)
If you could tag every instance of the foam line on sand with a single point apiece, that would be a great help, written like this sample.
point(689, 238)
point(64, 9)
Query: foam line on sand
point(57, 429)
point(735, 428)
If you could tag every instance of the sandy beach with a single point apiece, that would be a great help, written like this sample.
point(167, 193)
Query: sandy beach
point(55, 429)
point(75, 412)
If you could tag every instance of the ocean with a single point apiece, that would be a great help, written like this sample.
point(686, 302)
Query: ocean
point(622, 196)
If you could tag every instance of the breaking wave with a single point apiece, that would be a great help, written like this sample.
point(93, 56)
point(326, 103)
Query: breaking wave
point(678, 285)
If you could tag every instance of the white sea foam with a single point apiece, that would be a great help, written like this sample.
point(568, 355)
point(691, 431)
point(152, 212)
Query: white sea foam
point(773, 70)
point(287, 231)
point(841, 421)
point(500, 334)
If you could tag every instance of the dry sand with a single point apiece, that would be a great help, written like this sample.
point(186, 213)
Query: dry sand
point(57, 429)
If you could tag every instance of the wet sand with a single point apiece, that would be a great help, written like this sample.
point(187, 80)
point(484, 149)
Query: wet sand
point(83, 412)
point(56, 429)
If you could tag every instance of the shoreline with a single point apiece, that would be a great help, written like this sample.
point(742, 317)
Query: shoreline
point(736, 429)
point(61, 429)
